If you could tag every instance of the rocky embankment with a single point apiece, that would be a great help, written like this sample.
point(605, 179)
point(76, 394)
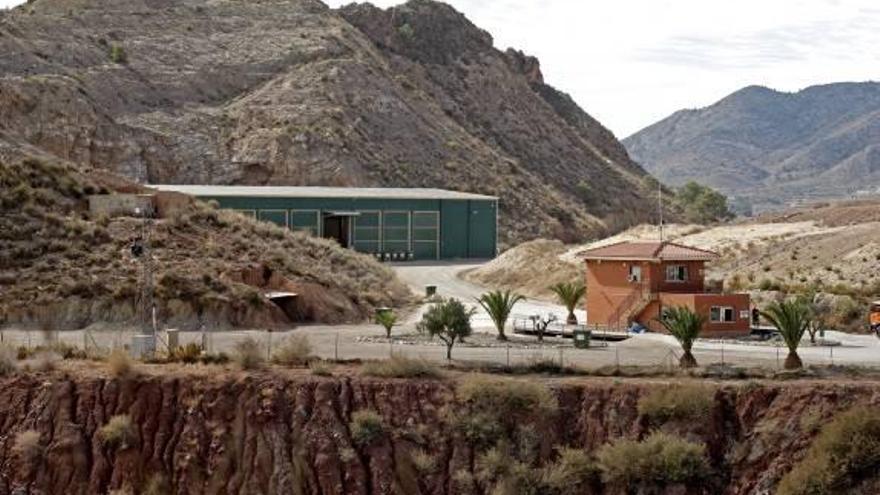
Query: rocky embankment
point(267, 432)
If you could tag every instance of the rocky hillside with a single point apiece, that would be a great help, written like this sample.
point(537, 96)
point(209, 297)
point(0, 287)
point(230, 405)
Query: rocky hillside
point(193, 432)
point(289, 92)
point(769, 146)
point(62, 268)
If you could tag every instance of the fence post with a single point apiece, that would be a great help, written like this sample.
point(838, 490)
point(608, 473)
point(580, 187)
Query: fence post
point(336, 348)
point(831, 351)
point(508, 354)
point(777, 355)
point(268, 345)
point(722, 352)
point(617, 359)
point(561, 363)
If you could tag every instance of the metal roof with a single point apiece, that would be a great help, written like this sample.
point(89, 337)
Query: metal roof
point(319, 192)
point(651, 251)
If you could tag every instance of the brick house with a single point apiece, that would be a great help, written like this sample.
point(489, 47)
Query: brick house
point(631, 282)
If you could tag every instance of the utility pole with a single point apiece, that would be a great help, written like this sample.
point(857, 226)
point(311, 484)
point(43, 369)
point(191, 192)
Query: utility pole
point(144, 345)
point(660, 207)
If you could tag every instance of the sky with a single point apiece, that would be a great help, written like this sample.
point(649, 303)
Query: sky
point(630, 63)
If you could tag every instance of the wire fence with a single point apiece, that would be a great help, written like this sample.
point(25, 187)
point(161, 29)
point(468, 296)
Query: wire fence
point(348, 345)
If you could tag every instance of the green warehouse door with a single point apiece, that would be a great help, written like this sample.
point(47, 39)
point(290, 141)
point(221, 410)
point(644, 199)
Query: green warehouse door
point(454, 229)
point(425, 235)
point(395, 232)
point(305, 220)
point(481, 235)
point(278, 217)
point(366, 232)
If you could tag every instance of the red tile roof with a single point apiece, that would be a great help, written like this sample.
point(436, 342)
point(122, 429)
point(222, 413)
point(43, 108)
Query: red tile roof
point(652, 250)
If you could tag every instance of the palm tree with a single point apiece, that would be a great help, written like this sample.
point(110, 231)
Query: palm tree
point(387, 319)
point(685, 326)
point(569, 294)
point(791, 318)
point(499, 305)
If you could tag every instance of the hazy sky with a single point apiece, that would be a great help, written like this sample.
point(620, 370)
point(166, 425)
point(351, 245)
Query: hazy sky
point(632, 62)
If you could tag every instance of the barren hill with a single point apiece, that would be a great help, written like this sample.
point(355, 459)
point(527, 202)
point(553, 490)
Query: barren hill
point(62, 268)
point(770, 146)
point(289, 92)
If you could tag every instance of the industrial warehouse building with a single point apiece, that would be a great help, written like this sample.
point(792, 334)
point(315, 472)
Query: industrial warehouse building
point(391, 223)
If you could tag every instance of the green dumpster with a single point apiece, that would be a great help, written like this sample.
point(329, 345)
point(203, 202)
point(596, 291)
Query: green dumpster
point(582, 337)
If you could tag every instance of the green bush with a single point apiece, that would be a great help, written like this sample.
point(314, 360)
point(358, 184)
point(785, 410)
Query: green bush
point(506, 398)
point(677, 402)
point(572, 473)
point(845, 452)
point(366, 427)
point(661, 459)
point(400, 367)
point(118, 55)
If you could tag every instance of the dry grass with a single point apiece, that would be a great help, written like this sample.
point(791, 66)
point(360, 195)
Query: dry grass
point(249, 355)
point(120, 363)
point(8, 360)
point(688, 403)
point(398, 366)
point(321, 368)
point(366, 427)
point(27, 445)
point(69, 273)
point(118, 432)
point(294, 351)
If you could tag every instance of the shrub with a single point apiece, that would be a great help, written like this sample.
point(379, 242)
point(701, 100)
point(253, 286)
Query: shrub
point(294, 351)
point(424, 462)
point(321, 368)
point(507, 398)
point(248, 355)
point(398, 366)
point(366, 427)
point(190, 353)
point(120, 363)
point(678, 402)
point(118, 55)
point(118, 432)
point(660, 459)
point(845, 452)
point(8, 360)
point(27, 445)
point(46, 361)
point(572, 473)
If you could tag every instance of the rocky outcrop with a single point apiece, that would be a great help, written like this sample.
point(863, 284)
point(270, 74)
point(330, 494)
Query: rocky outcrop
point(225, 432)
point(289, 92)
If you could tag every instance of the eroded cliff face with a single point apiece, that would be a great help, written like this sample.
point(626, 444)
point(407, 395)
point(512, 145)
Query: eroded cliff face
point(272, 433)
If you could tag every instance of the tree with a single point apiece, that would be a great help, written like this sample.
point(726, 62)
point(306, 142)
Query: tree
point(791, 318)
point(685, 326)
point(387, 319)
point(449, 321)
point(499, 305)
point(702, 204)
point(569, 294)
point(820, 311)
point(541, 324)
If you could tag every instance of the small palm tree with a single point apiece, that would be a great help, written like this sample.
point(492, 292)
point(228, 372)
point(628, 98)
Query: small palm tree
point(387, 319)
point(685, 326)
point(569, 294)
point(791, 318)
point(499, 305)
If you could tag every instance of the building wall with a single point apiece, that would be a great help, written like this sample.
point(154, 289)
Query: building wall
point(428, 228)
point(608, 288)
point(702, 304)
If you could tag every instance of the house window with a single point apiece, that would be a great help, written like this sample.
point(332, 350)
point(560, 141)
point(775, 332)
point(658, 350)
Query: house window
point(676, 273)
point(722, 314)
point(635, 273)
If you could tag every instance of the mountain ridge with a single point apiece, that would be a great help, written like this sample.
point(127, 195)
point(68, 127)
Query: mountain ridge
point(290, 92)
point(771, 146)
